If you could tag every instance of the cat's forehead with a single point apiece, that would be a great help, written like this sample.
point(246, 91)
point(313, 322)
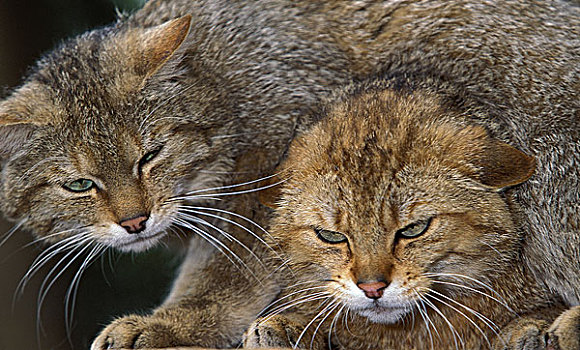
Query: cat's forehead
point(379, 156)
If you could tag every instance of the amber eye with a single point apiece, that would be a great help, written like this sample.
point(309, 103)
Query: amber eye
point(415, 229)
point(148, 157)
point(80, 185)
point(331, 237)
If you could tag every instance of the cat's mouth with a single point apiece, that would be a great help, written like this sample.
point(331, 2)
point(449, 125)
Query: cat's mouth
point(379, 313)
point(141, 242)
point(138, 242)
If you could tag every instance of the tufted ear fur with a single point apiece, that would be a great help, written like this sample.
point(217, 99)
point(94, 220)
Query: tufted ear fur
point(156, 45)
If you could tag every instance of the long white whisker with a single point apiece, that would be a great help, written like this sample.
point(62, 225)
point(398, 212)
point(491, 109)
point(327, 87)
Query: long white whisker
point(10, 232)
point(233, 193)
point(46, 255)
point(196, 210)
point(186, 195)
point(332, 324)
point(458, 311)
point(295, 302)
point(46, 286)
point(328, 313)
point(424, 317)
point(489, 323)
point(288, 296)
point(313, 320)
point(225, 234)
point(461, 277)
point(475, 291)
point(219, 245)
point(72, 290)
point(451, 328)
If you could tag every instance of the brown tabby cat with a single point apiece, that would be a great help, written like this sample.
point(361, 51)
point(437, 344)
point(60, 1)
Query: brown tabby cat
point(120, 135)
point(400, 221)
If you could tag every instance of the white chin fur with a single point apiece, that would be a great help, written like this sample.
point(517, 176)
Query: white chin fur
point(383, 315)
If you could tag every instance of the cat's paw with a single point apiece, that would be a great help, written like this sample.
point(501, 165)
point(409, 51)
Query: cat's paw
point(564, 333)
point(277, 332)
point(137, 332)
point(523, 334)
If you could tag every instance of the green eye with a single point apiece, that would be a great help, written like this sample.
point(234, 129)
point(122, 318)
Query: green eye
point(331, 237)
point(148, 157)
point(80, 185)
point(415, 229)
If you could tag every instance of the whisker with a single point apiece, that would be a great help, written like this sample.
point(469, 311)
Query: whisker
point(227, 235)
point(328, 313)
point(300, 300)
point(327, 307)
point(458, 311)
point(196, 210)
point(46, 255)
point(53, 160)
point(288, 296)
point(46, 285)
point(475, 291)
point(332, 324)
point(424, 317)
point(71, 293)
point(10, 232)
point(222, 248)
point(453, 331)
point(489, 323)
point(484, 285)
point(164, 103)
point(187, 194)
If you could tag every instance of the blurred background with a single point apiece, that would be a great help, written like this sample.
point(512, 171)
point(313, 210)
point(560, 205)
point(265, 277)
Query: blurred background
point(114, 285)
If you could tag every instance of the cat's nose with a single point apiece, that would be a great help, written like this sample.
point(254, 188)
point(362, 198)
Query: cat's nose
point(373, 290)
point(135, 224)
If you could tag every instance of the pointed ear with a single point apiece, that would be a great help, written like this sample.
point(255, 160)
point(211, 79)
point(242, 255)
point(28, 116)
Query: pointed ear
point(159, 43)
point(504, 166)
point(491, 163)
point(17, 121)
point(13, 134)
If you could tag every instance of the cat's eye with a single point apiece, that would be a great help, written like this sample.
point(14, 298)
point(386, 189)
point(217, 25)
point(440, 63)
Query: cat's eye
point(331, 237)
point(80, 185)
point(415, 229)
point(148, 157)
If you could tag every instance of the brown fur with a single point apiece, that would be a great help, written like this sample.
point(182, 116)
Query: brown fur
point(378, 161)
point(238, 81)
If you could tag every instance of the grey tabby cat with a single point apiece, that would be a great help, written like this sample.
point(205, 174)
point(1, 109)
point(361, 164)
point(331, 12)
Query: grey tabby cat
point(122, 133)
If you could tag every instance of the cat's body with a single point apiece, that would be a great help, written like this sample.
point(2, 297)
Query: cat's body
point(148, 110)
point(400, 218)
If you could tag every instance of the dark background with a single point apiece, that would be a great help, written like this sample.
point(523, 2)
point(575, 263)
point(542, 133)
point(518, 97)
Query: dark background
point(115, 284)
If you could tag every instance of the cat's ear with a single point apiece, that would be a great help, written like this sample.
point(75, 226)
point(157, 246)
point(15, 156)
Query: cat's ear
point(156, 45)
point(14, 132)
point(491, 163)
point(503, 166)
point(21, 115)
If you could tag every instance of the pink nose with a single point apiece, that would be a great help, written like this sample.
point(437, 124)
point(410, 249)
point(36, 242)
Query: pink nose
point(135, 224)
point(373, 290)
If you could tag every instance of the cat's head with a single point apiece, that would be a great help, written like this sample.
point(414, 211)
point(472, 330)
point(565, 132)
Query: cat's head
point(103, 135)
point(392, 197)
